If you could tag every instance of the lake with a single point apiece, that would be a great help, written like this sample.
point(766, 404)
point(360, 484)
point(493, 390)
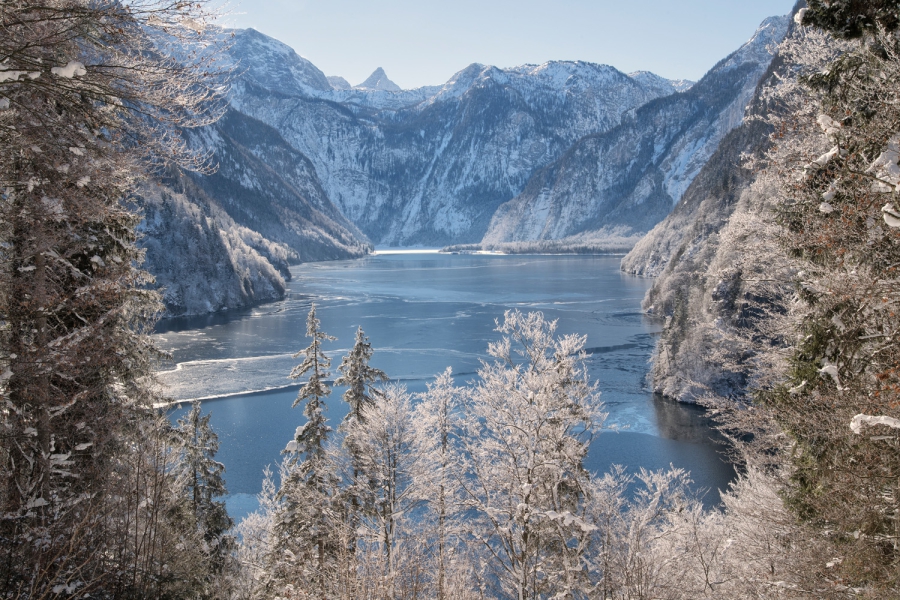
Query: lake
point(422, 313)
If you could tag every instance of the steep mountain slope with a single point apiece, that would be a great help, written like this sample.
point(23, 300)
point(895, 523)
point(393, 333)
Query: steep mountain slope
point(712, 256)
point(628, 179)
point(202, 260)
point(225, 240)
point(706, 205)
point(267, 186)
point(430, 166)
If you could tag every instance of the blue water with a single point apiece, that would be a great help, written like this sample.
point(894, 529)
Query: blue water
point(422, 313)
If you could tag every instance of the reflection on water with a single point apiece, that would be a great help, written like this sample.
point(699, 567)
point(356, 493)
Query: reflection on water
point(423, 313)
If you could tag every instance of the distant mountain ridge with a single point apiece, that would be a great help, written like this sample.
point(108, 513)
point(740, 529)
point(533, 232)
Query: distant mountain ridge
point(626, 180)
point(431, 165)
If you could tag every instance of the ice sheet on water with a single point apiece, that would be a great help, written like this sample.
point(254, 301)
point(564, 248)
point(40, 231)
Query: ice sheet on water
point(227, 377)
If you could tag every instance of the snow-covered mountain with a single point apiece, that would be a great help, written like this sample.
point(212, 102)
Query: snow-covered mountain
point(225, 240)
point(431, 165)
point(313, 168)
point(701, 254)
point(339, 83)
point(378, 80)
point(628, 179)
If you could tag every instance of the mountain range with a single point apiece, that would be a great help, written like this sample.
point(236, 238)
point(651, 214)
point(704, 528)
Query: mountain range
point(312, 168)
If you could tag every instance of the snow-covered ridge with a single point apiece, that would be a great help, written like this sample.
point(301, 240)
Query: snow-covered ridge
point(430, 165)
point(633, 175)
point(761, 45)
point(276, 66)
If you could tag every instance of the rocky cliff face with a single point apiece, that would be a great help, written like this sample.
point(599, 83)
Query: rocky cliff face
point(626, 180)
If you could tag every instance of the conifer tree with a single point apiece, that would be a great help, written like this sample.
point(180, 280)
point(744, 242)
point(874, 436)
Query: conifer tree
point(836, 164)
point(309, 440)
point(201, 477)
point(305, 521)
point(358, 376)
point(852, 19)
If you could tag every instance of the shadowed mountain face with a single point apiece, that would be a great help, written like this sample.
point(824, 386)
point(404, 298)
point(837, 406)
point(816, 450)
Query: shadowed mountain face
point(626, 180)
point(224, 241)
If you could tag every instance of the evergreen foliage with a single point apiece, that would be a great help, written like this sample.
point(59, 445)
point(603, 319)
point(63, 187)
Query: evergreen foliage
point(310, 438)
point(201, 478)
point(305, 519)
point(852, 19)
point(90, 99)
point(358, 376)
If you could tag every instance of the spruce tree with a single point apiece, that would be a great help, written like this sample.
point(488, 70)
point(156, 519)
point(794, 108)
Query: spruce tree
point(309, 440)
point(200, 476)
point(305, 522)
point(358, 376)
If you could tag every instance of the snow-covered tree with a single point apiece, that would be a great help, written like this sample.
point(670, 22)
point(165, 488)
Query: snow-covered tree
point(358, 377)
point(529, 423)
point(852, 18)
point(305, 520)
point(90, 97)
point(438, 421)
point(385, 469)
point(309, 439)
point(837, 166)
point(201, 477)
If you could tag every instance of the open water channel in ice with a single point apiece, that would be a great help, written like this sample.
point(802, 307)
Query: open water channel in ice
point(422, 313)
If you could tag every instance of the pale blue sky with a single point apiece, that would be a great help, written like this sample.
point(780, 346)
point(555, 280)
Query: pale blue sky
point(423, 42)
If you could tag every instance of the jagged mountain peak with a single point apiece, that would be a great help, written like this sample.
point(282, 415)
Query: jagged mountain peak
point(378, 80)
